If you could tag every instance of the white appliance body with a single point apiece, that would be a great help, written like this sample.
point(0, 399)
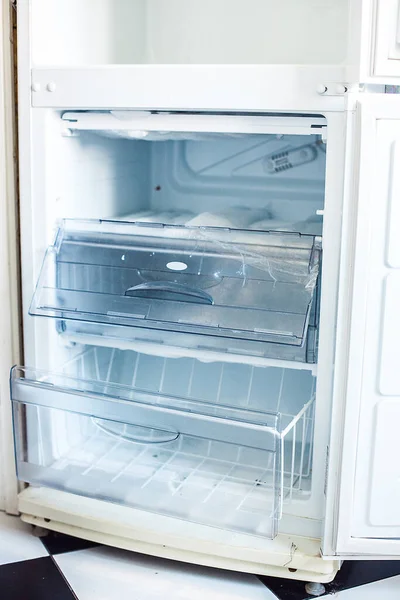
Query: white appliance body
point(83, 122)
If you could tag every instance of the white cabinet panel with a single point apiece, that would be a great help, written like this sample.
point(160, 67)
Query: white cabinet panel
point(364, 471)
point(386, 60)
point(389, 384)
point(393, 240)
point(384, 509)
point(374, 41)
point(380, 375)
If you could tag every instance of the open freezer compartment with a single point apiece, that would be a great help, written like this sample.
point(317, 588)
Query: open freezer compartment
point(236, 171)
point(229, 202)
point(216, 460)
point(252, 292)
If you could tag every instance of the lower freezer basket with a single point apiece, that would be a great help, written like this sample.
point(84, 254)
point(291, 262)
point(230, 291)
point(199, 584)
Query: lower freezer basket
point(216, 465)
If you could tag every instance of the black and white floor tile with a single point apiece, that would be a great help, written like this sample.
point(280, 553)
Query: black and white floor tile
point(58, 567)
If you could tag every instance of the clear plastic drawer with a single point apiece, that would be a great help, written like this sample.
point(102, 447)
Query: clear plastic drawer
point(213, 464)
point(233, 289)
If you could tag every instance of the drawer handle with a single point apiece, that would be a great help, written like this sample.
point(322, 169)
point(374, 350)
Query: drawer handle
point(136, 433)
point(169, 290)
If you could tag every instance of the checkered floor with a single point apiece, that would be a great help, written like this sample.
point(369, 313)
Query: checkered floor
point(58, 567)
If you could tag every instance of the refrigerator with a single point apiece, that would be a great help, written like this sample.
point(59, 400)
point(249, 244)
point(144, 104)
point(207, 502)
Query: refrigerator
point(200, 276)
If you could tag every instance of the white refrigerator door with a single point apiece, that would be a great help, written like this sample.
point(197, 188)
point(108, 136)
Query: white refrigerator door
point(374, 41)
point(363, 484)
point(386, 57)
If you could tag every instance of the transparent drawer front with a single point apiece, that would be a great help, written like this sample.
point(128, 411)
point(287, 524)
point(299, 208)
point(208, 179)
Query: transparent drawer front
point(212, 464)
point(243, 286)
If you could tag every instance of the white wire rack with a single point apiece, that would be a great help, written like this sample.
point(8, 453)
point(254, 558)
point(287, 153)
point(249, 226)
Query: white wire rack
point(286, 392)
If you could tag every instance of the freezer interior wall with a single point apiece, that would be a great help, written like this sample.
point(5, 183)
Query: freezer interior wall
point(105, 177)
point(91, 32)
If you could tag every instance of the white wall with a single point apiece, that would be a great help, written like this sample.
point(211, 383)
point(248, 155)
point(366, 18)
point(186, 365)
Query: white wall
point(79, 32)
point(84, 32)
point(246, 31)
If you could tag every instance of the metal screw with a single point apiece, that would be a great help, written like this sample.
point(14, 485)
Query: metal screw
point(321, 88)
point(341, 89)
